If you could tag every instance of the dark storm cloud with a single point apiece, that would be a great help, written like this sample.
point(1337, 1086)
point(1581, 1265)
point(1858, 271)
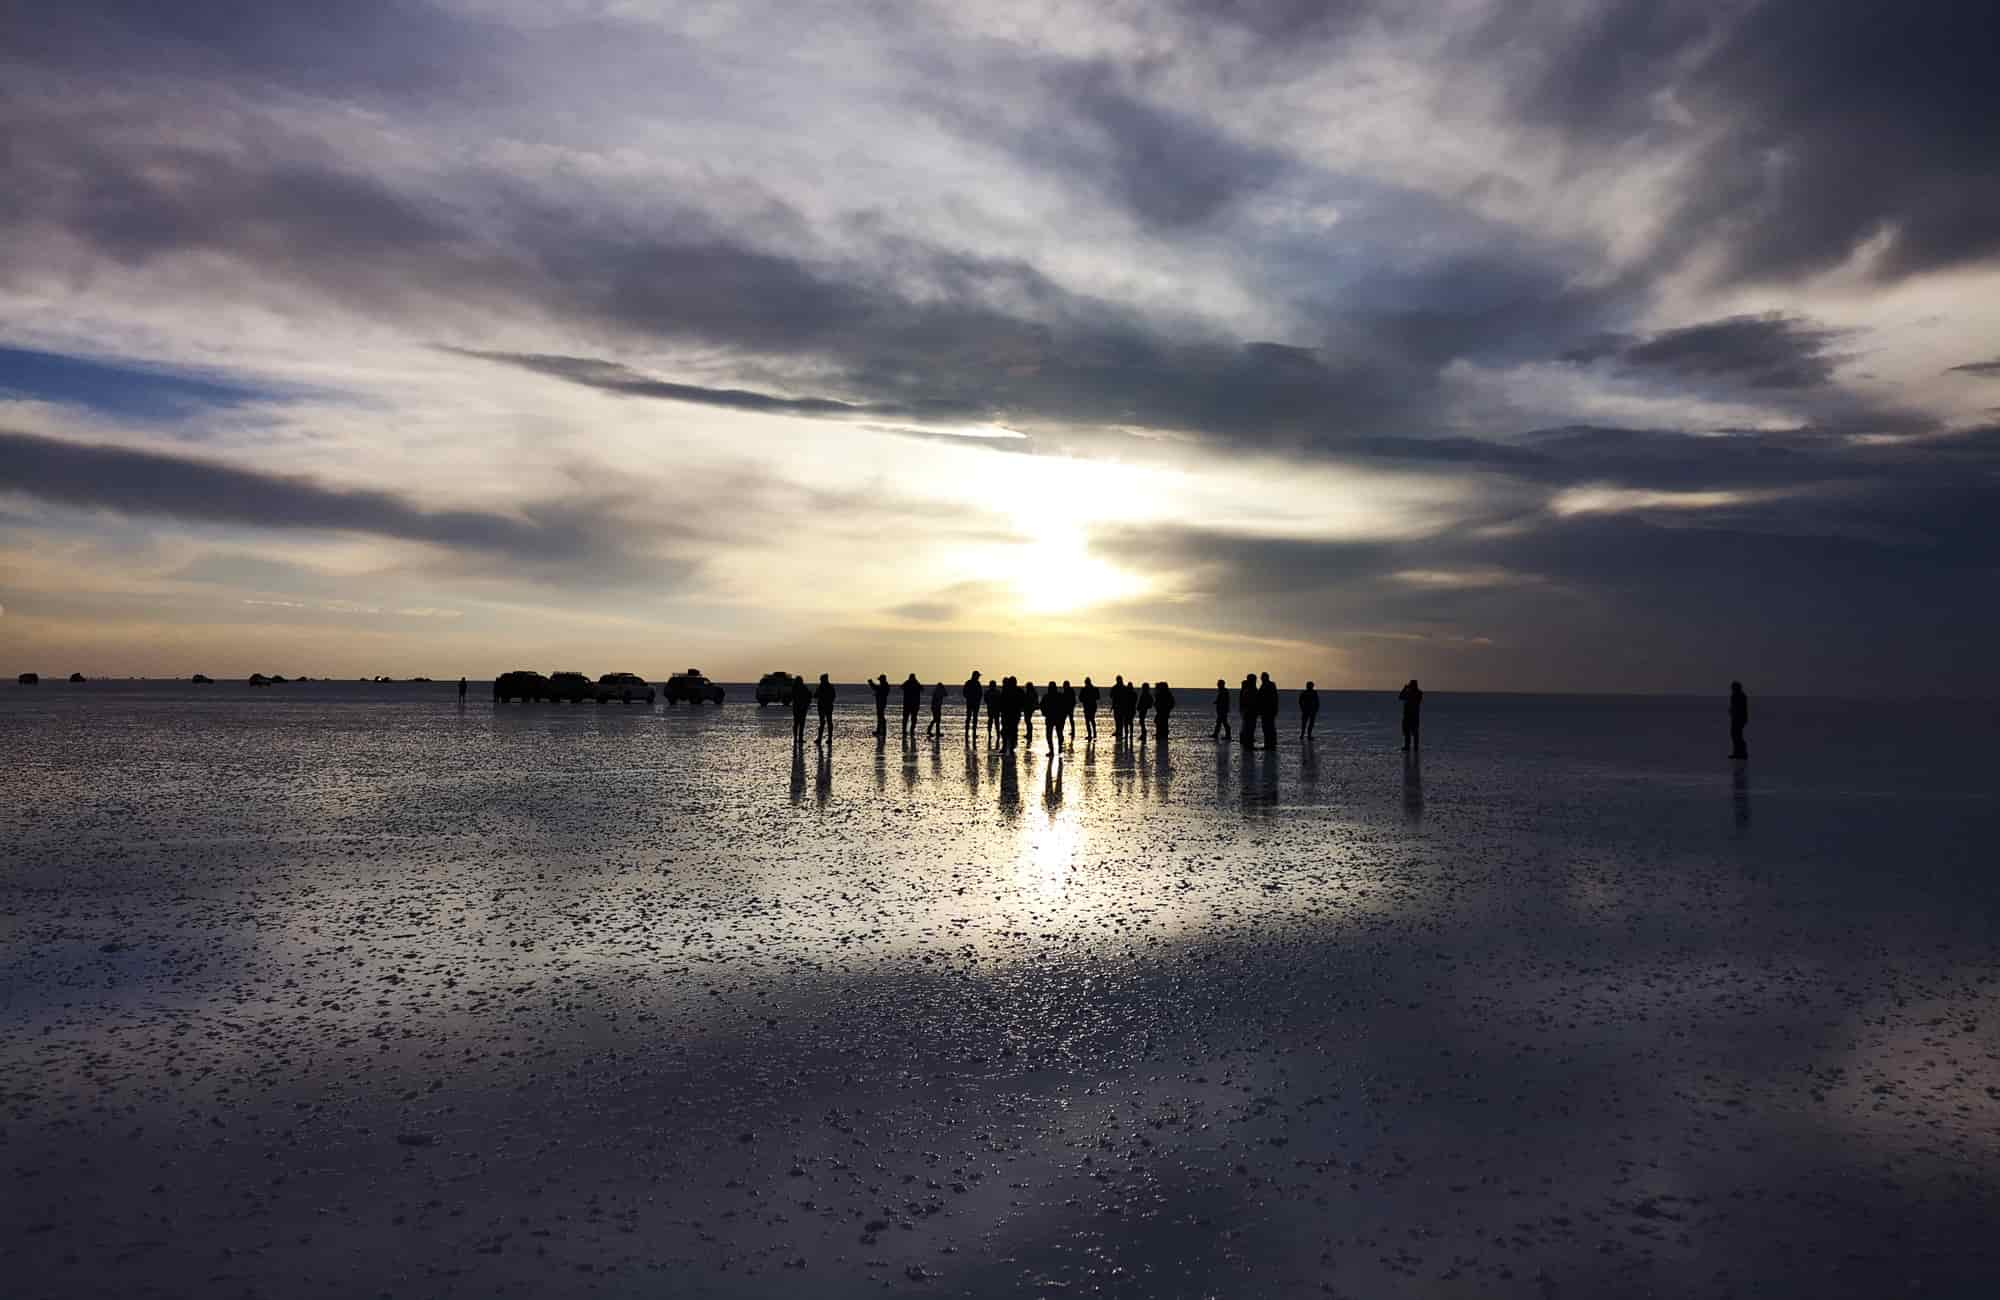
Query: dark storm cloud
point(611, 377)
point(1828, 123)
point(147, 483)
point(1984, 369)
point(1764, 351)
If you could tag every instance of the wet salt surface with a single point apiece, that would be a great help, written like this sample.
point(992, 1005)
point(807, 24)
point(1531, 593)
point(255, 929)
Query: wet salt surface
point(345, 991)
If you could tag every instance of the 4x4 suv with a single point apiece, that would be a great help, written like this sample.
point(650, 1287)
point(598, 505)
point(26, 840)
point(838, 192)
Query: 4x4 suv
point(623, 687)
point(774, 688)
point(522, 684)
point(691, 687)
point(574, 687)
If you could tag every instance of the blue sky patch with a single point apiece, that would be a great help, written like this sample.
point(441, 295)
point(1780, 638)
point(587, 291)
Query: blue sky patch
point(128, 391)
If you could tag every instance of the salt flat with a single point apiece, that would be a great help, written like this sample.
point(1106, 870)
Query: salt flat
point(346, 990)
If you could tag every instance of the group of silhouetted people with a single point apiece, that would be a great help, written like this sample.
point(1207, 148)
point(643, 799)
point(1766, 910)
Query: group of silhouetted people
point(1010, 707)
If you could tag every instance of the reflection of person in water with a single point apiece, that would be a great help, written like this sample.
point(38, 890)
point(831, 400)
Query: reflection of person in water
point(881, 688)
point(1088, 698)
point(974, 693)
point(1308, 711)
point(1163, 708)
point(913, 703)
point(1412, 697)
point(936, 730)
point(1246, 710)
point(823, 696)
point(801, 701)
point(1267, 709)
point(1221, 727)
point(1739, 718)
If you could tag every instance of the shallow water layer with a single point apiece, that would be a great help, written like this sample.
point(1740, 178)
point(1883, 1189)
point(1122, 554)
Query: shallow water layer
point(347, 990)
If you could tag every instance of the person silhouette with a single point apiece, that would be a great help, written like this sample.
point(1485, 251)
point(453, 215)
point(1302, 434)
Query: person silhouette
point(880, 686)
point(1088, 698)
point(823, 697)
point(1145, 706)
point(994, 694)
point(461, 690)
point(973, 694)
point(1267, 708)
point(1308, 711)
point(1069, 712)
point(1010, 711)
point(1163, 709)
point(936, 728)
point(913, 703)
point(801, 702)
point(1739, 718)
point(1052, 718)
point(1412, 697)
point(1221, 727)
point(1246, 710)
point(1121, 708)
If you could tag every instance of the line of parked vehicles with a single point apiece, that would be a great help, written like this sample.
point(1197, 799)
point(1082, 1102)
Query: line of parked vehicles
point(688, 687)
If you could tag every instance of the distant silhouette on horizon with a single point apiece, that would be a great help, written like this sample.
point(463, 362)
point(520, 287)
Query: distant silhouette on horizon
point(823, 696)
point(461, 690)
point(1412, 697)
point(800, 697)
point(1308, 711)
point(1739, 718)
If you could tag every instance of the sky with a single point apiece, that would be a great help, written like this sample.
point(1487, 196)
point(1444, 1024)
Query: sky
point(1509, 344)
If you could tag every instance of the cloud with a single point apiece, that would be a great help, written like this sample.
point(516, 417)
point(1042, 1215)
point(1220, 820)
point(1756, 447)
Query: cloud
point(538, 536)
point(1764, 351)
point(1984, 369)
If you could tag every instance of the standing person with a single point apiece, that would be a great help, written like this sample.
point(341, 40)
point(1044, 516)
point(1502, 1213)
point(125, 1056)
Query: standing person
point(1267, 706)
point(1121, 708)
point(1069, 711)
point(1010, 711)
point(937, 712)
point(913, 703)
point(1145, 706)
point(1246, 710)
point(823, 697)
point(974, 693)
point(1308, 711)
point(1088, 698)
point(1163, 708)
point(1029, 703)
point(994, 694)
point(1739, 718)
point(1052, 717)
point(1221, 727)
point(801, 699)
point(880, 686)
point(461, 690)
point(1412, 697)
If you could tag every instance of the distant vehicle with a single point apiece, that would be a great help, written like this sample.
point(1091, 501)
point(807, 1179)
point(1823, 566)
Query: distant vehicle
point(774, 688)
point(623, 687)
point(258, 679)
point(202, 679)
point(77, 677)
point(522, 684)
point(573, 687)
point(689, 686)
point(29, 679)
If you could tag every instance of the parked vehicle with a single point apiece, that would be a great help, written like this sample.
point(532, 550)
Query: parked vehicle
point(258, 679)
point(522, 684)
point(202, 679)
point(29, 679)
point(573, 687)
point(623, 687)
point(774, 688)
point(690, 686)
point(78, 677)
